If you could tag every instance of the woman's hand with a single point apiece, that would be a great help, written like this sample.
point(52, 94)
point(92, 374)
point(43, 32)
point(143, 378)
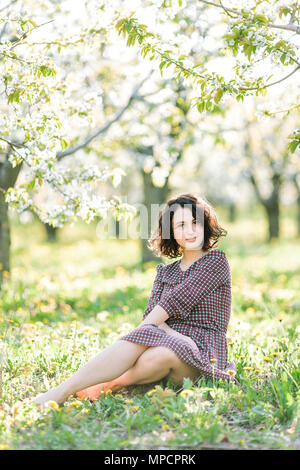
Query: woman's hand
point(170, 331)
point(165, 327)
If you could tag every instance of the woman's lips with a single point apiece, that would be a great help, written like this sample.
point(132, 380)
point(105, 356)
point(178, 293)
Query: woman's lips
point(191, 239)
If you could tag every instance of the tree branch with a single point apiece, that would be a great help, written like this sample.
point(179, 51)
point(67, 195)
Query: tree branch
point(271, 84)
point(133, 96)
point(289, 27)
point(8, 5)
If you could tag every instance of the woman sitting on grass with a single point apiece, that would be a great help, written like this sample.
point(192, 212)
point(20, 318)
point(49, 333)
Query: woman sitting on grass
point(183, 332)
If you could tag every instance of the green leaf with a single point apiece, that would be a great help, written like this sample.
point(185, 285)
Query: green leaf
point(293, 145)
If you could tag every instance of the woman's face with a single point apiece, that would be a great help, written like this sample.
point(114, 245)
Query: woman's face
point(188, 232)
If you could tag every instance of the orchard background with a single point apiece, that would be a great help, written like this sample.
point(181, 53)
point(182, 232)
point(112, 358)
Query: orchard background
point(106, 109)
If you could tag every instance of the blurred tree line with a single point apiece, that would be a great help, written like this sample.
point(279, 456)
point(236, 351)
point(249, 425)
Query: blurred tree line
point(86, 120)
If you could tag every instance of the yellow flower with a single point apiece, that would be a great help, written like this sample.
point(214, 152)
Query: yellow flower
point(30, 422)
point(15, 410)
point(52, 404)
point(108, 392)
point(231, 372)
point(274, 354)
point(151, 392)
point(213, 359)
point(75, 403)
point(85, 411)
point(257, 370)
point(128, 402)
point(3, 446)
point(135, 408)
point(284, 340)
point(186, 393)
point(267, 359)
point(247, 368)
point(242, 442)
point(250, 310)
point(117, 395)
point(165, 427)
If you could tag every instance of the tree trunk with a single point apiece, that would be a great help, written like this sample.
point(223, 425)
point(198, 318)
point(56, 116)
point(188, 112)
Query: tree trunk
point(51, 232)
point(152, 195)
point(271, 204)
point(4, 237)
point(232, 212)
point(297, 202)
point(272, 211)
point(8, 178)
point(298, 213)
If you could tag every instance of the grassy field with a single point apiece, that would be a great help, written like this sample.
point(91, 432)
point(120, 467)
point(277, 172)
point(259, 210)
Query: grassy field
point(66, 301)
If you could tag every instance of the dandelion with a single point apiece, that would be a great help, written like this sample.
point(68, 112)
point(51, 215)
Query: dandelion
point(3, 446)
point(231, 372)
point(242, 442)
point(52, 404)
point(186, 393)
point(257, 370)
point(135, 408)
point(75, 403)
point(274, 354)
point(213, 360)
point(165, 427)
point(151, 392)
point(247, 368)
point(284, 340)
point(128, 402)
point(108, 392)
point(267, 359)
point(15, 410)
point(117, 395)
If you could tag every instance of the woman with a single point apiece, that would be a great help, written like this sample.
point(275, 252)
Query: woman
point(183, 332)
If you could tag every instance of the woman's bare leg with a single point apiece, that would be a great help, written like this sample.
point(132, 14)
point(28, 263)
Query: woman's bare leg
point(152, 366)
point(110, 363)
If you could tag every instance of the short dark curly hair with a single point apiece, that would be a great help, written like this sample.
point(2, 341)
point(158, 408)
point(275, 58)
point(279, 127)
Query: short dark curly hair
point(168, 246)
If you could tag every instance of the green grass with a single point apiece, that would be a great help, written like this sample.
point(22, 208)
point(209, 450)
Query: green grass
point(67, 301)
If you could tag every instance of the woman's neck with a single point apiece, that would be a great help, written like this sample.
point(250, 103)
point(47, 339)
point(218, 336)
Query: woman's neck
point(190, 256)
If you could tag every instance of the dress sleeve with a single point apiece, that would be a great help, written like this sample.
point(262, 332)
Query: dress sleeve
point(156, 290)
point(205, 278)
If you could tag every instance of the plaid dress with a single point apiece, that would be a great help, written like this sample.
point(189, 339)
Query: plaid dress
point(198, 302)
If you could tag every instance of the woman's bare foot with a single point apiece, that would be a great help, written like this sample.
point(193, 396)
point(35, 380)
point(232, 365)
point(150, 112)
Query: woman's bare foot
point(95, 392)
point(56, 394)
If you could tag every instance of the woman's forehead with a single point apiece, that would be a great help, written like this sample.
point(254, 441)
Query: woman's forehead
point(183, 214)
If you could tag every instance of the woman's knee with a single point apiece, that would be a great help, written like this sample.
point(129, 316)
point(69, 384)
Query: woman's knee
point(159, 355)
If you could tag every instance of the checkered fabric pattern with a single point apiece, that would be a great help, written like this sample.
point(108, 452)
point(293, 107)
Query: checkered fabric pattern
point(198, 302)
